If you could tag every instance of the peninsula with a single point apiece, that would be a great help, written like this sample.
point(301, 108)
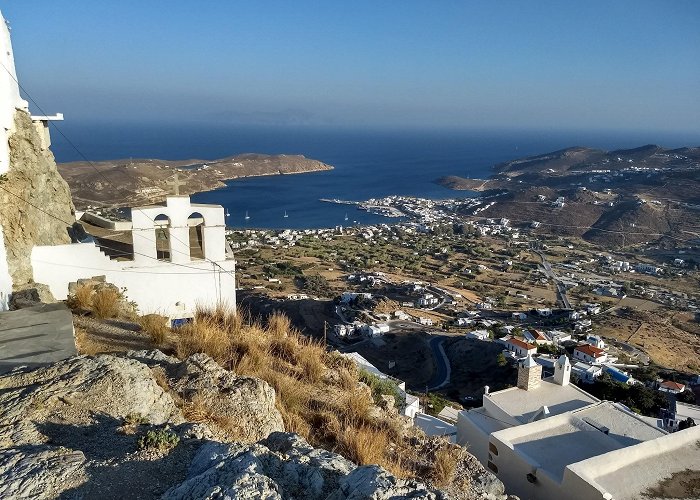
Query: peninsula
point(130, 182)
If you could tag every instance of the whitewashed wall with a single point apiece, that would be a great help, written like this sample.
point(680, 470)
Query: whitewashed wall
point(155, 288)
point(10, 99)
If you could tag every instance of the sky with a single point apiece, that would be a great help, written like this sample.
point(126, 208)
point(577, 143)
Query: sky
point(622, 65)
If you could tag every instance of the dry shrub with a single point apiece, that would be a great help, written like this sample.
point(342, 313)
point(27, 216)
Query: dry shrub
point(444, 465)
point(106, 303)
point(156, 326)
point(364, 445)
point(330, 411)
point(81, 299)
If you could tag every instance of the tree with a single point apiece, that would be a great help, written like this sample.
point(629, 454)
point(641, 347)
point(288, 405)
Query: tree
point(501, 359)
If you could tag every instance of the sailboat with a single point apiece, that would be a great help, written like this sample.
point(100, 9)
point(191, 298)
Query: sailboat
point(228, 214)
point(285, 214)
point(246, 215)
point(346, 216)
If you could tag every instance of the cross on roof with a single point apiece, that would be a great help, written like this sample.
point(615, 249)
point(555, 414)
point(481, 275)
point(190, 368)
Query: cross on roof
point(175, 183)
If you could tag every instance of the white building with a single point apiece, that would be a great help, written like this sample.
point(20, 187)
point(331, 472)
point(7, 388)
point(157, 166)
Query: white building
point(425, 321)
point(587, 373)
point(590, 354)
point(547, 439)
point(520, 348)
point(478, 335)
point(166, 281)
point(596, 341)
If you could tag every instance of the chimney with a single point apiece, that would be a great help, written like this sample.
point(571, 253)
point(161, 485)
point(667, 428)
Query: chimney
point(529, 374)
point(562, 370)
point(486, 389)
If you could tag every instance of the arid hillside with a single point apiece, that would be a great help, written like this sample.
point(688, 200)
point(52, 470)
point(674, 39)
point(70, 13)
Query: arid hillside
point(131, 182)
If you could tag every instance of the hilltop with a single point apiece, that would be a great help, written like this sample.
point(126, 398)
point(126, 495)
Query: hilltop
point(133, 182)
point(608, 197)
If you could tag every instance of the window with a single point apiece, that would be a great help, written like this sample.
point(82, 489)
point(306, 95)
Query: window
point(492, 467)
point(493, 449)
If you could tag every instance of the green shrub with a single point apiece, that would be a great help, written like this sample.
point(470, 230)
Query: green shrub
point(161, 440)
point(380, 387)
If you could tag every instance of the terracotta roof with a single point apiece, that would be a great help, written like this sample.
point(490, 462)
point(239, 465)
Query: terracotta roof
point(521, 344)
point(668, 384)
point(590, 350)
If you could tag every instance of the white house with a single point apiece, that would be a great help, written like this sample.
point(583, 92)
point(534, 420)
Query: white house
point(536, 337)
point(519, 316)
point(671, 387)
point(590, 354)
point(520, 348)
point(478, 335)
point(425, 321)
point(544, 312)
point(596, 341)
point(587, 373)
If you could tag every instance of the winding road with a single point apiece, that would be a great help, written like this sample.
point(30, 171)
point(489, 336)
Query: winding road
point(442, 364)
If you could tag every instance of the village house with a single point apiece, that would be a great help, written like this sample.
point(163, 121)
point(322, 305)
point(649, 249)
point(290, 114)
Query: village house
point(478, 335)
point(671, 387)
point(518, 347)
point(590, 354)
point(536, 337)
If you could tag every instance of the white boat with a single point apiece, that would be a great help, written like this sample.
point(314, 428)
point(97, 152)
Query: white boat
point(346, 216)
point(228, 214)
point(285, 214)
point(246, 215)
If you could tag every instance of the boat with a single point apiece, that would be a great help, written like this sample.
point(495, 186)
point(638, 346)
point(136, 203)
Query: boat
point(346, 216)
point(285, 214)
point(228, 214)
point(246, 215)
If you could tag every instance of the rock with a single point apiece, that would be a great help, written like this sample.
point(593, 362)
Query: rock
point(32, 176)
point(41, 472)
point(30, 295)
point(246, 404)
point(72, 392)
point(286, 466)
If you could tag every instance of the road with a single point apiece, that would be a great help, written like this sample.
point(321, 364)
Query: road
point(442, 364)
point(561, 289)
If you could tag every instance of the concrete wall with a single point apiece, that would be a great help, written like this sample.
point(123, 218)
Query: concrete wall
point(155, 288)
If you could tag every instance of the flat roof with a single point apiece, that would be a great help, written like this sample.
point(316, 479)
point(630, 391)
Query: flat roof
point(523, 405)
point(667, 467)
point(580, 435)
point(433, 426)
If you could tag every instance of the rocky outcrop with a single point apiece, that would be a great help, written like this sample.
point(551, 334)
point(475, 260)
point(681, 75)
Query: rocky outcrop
point(78, 429)
point(286, 466)
point(86, 426)
point(31, 189)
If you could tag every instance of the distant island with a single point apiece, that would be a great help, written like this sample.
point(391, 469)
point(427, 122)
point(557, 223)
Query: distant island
point(608, 197)
point(131, 182)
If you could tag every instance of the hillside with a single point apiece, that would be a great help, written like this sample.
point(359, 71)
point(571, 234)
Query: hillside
point(141, 181)
point(615, 198)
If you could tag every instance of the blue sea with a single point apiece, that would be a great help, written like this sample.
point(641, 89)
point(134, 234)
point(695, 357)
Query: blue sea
point(368, 163)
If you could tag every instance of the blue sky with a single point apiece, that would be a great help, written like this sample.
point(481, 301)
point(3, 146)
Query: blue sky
point(621, 65)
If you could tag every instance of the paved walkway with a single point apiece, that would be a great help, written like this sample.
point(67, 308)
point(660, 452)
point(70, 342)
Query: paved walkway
point(36, 336)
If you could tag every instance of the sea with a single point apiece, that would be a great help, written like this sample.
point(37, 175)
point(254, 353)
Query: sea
point(368, 163)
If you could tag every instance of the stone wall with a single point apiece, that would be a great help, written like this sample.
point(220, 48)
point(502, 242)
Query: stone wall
point(35, 181)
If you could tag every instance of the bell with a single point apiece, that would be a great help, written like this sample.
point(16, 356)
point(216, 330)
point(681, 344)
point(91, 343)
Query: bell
point(162, 235)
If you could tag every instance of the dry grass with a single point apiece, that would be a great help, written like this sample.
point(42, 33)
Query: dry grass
point(444, 466)
point(318, 393)
point(81, 298)
point(156, 326)
point(106, 303)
